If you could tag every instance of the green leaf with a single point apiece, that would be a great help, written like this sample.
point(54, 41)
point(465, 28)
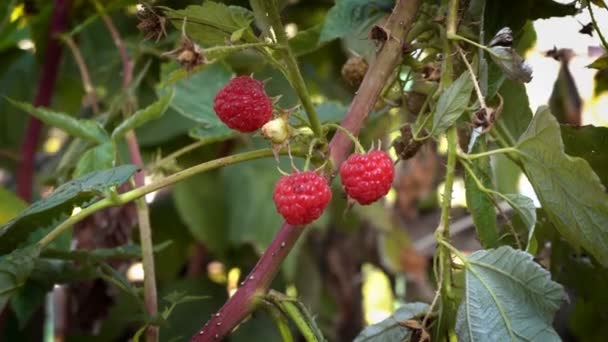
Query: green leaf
point(516, 113)
point(452, 103)
point(524, 206)
point(140, 117)
point(212, 23)
point(589, 143)
point(568, 189)
point(348, 16)
point(61, 202)
point(90, 130)
point(306, 41)
point(97, 158)
point(299, 314)
point(331, 111)
point(125, 252)
point(392, 329)
point(213, 134)
point(600, 63)
point(507, 58)
point(200, 205)
point(28, 300)
point(194, 95)
point(248, 187)
point(508, 297)
point(479, 204)
point(11, 205)
point(15, 268)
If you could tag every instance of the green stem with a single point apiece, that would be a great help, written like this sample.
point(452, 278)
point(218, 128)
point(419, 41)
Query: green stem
point(295, 78)
point(597, 28)
point(280, 321)
point(474, 156)
point(358, 145)
point(489, 192)
point(174, 155)
point(146, 189)
point(444, 226)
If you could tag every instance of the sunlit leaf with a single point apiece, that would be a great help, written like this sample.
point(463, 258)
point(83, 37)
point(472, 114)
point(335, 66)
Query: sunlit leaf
point(568, 189)
point(11, 205)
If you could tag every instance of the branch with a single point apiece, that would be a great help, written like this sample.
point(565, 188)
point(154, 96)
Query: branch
point(297, 82)
point(389, 56)
point(257, 282)
point(143, 213)
point(46, 87)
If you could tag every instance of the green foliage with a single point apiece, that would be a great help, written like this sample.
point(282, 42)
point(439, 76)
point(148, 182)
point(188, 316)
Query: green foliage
point(524, 207)
point(214, 225)
point(507, 297)
point(568, 189)
point(479, 203)
point(349, 16)
point(140, 117)
point(588, 142)
point(15, 268)
point(89, 130)
point(99, 157)
point(213, 22)
point(200, 205)
point(194, 95)
point(299, 314)
point(393, 328)
point(61, 202)
point(451, 104)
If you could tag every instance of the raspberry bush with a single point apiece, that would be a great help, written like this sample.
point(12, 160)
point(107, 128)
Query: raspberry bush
point(149, 171)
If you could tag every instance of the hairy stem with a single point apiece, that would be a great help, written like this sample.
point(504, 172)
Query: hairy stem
point(295, 77)
point(258, 281)
point(136, 193)
point(597, 28)
point(143, 213)
point(46, 86)
point(387, 59)
point(444, 262)
point(84, 72)
point(473, 156)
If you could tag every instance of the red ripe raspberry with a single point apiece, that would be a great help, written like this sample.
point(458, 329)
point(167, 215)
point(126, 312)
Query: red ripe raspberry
point(367, 177)
point(301, 197)
point(243, 105)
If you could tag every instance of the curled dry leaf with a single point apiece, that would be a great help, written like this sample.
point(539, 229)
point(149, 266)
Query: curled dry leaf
point(503, 54)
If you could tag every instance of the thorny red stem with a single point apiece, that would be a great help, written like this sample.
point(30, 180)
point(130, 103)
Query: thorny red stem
point(46, 87)
point(257, 282)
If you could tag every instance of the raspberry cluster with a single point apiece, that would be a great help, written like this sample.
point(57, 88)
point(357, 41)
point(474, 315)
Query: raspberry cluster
point(367, 177)
point(243, 105)
point(301, 197)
